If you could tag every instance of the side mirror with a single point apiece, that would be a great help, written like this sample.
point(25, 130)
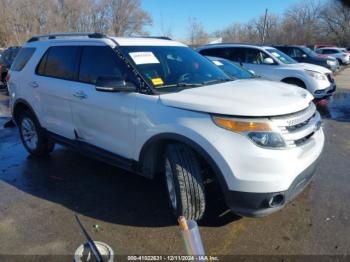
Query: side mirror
point(268, 61)
point(114, 84)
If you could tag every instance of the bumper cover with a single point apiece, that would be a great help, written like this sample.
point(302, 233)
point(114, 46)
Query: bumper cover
point(258, 204)
point(326, 92)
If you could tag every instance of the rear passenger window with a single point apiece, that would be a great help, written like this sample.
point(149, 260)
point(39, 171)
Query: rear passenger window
point(101, 61)
point(59, 62)
point(22, 58)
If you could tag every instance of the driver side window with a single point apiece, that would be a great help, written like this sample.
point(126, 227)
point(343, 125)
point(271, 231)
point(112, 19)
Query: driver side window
point(102, 61)
point(298, 53)
point(255, 56)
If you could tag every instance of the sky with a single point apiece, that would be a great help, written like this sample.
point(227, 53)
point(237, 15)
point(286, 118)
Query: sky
point(213, 14)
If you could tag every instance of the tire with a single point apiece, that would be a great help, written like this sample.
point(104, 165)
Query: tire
point(296, 82)
point(184, 182)
point(340, 61)
point(32, 135)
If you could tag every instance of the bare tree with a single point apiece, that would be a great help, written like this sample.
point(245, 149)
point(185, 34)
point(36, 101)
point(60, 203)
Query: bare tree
point(301, 22)
point(196, 33)
point(336, 22)
point(127, 17)
point(20, 19)
point(165, 30)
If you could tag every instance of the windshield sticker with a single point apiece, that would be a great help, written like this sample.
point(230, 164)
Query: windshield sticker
point(157, 81)
point(141, 58)
point(218, 63)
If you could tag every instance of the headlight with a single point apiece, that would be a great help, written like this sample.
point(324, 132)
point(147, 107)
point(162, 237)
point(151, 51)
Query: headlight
point(260, 133)
point(330, 62)
point(316, 75)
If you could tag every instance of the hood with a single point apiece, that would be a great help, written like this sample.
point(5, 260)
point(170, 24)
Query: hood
point(248, 97)
point(310, 67)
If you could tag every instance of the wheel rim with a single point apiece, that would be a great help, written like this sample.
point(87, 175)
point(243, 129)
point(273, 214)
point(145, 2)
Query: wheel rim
point(170, 184)
point(29, 133)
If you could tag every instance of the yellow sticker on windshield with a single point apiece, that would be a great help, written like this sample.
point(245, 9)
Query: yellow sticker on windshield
point(157, 81)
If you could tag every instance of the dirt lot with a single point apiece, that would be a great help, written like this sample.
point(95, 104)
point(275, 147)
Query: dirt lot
point(39, 197)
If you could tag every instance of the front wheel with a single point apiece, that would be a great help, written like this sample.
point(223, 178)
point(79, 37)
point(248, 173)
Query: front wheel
point(32, 136)
point(184, 182)
point(295, 82)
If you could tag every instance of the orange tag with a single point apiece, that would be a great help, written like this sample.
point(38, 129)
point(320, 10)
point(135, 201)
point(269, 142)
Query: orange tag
point(157, 81)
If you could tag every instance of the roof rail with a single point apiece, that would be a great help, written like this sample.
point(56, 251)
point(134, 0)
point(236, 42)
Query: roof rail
point(158, 37)
point(235, 43)
point(65, 35)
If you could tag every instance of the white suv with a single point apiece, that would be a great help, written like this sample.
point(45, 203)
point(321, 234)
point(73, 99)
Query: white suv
point(156, 107)
point(275, 65)
point(340, 54)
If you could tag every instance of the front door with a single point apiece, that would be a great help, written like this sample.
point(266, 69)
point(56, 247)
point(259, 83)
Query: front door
point(104, 119)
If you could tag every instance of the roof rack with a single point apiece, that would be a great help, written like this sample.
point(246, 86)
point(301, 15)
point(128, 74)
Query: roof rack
point(157, 37)
point(65, 35)
point(235, 43)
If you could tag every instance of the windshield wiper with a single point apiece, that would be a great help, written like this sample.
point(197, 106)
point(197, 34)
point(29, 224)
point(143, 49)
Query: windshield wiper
point(183, 84)
point(220, 80)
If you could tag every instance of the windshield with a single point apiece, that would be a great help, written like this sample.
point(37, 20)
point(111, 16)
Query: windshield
point(309, 52)
point(232, 69)
point(173, 68)
point(282, 57)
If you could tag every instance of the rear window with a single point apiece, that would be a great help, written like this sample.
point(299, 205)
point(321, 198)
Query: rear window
point(59, 62)
point(22, 58)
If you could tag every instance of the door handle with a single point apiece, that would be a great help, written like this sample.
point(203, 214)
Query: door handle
point(80, 95)
point(33, 84)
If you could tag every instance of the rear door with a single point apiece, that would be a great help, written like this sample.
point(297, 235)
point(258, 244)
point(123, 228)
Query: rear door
point(104, 119)
point(54, 81)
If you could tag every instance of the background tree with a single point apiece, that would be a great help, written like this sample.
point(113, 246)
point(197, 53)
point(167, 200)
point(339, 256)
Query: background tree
point(21, 19)
point(196, 33)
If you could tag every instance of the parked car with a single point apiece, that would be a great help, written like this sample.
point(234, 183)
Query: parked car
point(303, 54)
point(6, 61)
point(232, 69)
point(1, 51)
point(322, 46)
point(275, 65)
point(335, 52)
point(344, 50)
point(157, 107)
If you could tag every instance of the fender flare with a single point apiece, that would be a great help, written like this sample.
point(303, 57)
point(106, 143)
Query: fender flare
point(26, 104)
point(159, 139)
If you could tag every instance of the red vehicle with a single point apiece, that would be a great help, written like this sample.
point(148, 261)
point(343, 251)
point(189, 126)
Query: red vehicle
point(322, 46)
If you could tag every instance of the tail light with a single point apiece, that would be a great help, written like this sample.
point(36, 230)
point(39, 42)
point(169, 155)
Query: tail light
point(8, 77)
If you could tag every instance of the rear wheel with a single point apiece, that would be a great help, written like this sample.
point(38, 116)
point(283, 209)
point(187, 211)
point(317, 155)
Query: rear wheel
point(32, 135)
point(184, 182)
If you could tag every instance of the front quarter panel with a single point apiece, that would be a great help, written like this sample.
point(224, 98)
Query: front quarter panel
point(154, 118)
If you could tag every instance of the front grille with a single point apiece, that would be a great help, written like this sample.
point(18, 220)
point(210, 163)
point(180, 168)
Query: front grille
point(330, 78)
point(298, 128)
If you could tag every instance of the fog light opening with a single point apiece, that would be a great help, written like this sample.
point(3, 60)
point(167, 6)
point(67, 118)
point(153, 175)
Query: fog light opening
point(276, 200)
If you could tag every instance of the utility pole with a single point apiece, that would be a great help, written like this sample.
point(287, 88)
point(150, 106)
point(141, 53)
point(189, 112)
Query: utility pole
point(264, 28)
